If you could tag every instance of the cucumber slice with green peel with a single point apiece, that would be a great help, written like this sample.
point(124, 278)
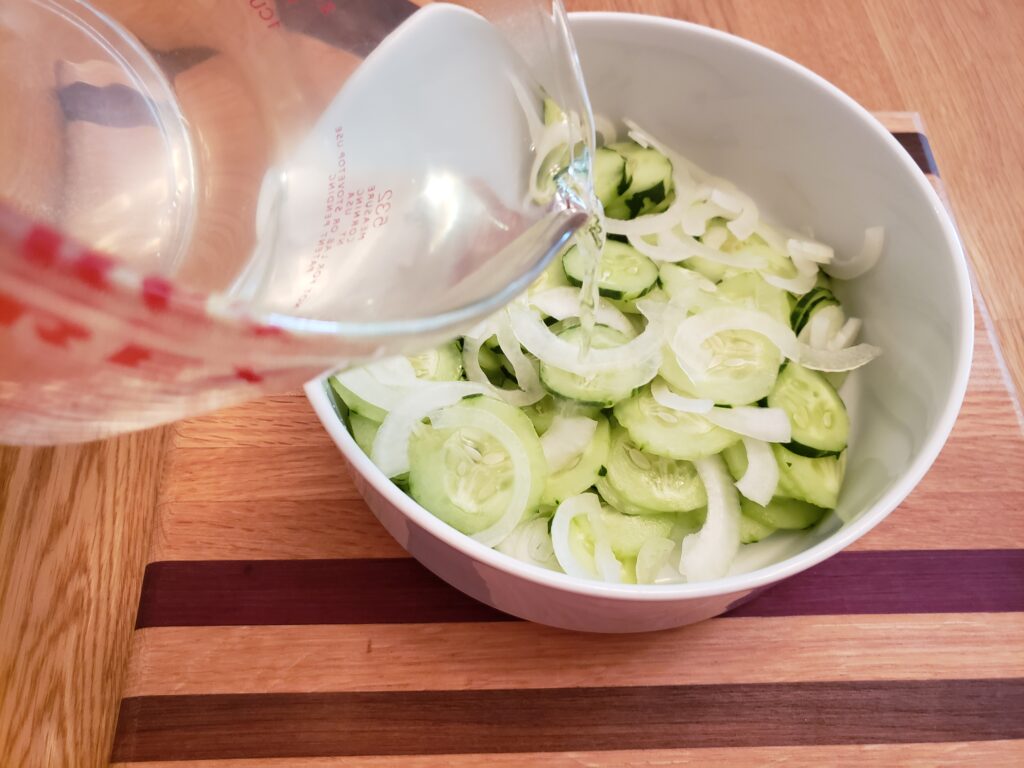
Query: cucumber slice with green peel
point(752, 531)
point(627, 533)
point(543, 412)
point(650, 187)
point(602, 389)
point(692, 519)
point(656, 429)
point(624, 273)
point(745, 364)
point(355, 403)
point(744, 370)
point(748, 290)
point(650, 482)
point(363, 431)
point(553, 276)
point(610, 179)
point(808, 304)
point(782, 513)
point(714, 271)
point(816, 481)
point(820, 424)
point(464, 476)
point(583, 472)
point(442, 363)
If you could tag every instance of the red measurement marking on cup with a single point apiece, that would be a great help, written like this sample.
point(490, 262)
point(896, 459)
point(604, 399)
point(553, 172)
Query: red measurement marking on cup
point(130, 355)
point(156, 292)
point(11, 310)
point(41, 246)
point(248, 374)
point(92, 268)
point(59, 333)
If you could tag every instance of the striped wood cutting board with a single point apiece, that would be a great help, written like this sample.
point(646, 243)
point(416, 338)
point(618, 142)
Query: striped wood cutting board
point(280, 625)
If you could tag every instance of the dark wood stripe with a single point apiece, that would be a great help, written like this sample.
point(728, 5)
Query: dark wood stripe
point(904, 581)
point(919, 149)
point(358, 591)
point(566, 719)
point(394, 591)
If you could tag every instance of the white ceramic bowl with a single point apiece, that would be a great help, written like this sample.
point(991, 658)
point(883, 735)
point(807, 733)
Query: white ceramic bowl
point(811, 156)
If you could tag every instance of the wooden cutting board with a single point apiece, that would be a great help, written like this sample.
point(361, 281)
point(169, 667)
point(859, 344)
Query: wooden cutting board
point(280, 625)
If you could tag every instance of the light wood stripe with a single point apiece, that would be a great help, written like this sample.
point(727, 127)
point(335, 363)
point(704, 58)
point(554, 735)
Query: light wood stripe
point(282, 659)
point(990, 754)
point(280, 530)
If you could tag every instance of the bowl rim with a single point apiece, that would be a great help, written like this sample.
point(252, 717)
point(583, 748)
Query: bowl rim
point(318, 397)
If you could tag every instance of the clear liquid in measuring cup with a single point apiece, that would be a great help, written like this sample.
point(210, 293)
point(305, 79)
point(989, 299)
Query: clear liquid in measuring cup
point(410, 197)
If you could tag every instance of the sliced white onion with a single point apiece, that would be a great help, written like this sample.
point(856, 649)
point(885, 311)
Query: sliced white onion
point(846, 334)
point(708, 553)
point(809, 250)
point(642, 353)
point(695, 330)
point(870, 252)
point(530, 388)
point(695, 218)
point(566, 439)
point(384, 383)
point(390, 450)
point(552, 137)
point(825, 324)
point(561, 527)
point(604, 557)
point(606, 128)
point(652, 557)
point(564, 302)
point(530, 542)
point(527, 377)
point(477, 418)
point(666, 397)
point(768, 424)
point(715, 237)
point(675, 246)
point(762, 476)
point(798, 285)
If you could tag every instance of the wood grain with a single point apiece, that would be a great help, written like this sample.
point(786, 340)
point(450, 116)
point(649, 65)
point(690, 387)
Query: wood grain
point(283, 659)
point(524, 720)
point(73, 533)
point(957, 63)
point(964, 754)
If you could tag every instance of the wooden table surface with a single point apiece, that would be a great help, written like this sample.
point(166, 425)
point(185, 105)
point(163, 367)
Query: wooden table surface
point(76, 521)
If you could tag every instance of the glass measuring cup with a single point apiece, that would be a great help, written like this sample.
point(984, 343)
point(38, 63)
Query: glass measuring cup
point(201, 203)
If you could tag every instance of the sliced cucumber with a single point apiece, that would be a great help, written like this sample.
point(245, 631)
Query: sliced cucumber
point(355, 403)
point(552, 112)
point(657, 429)
point(610, 179)
point(652, 483)
point(752, 531)
point(627, 533)
point(816, 481)
point(782, 513)
point(650, 187)
point(815, 299)
point(583, 472)
point(744, 370)
point(442, 363)
point(603, 389)
point(749, 290)
point(363, 431)
point(552, 277)
point(820, 424)
point(464, 476)
point(624, 273)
